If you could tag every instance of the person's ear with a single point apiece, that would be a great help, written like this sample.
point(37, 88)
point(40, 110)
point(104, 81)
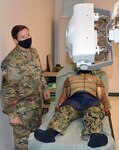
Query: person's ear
point(15, 41)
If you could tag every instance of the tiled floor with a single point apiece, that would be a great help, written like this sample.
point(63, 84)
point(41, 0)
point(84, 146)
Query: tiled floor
point(115, 118)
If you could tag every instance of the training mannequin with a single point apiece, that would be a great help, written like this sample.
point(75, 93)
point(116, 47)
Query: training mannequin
point(83, 96)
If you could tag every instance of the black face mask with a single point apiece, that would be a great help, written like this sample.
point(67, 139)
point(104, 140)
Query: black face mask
point(25, 43)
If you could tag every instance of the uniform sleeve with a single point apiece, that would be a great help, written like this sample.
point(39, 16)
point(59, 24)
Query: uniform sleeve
point(9, 98)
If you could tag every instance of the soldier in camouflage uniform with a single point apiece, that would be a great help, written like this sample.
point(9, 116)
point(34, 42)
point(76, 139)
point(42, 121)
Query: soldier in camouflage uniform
point(83, 96)
point(24, 87)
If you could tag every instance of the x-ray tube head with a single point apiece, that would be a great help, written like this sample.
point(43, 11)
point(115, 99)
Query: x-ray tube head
point(82, 37)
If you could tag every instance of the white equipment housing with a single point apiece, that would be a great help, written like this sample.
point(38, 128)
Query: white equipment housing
point(82, 39)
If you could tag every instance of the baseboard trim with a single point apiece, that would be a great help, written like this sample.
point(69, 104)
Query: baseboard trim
point(113, 94)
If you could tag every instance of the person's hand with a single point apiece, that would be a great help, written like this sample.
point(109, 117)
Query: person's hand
point(46, 95)
point(57, 107)
point(15, 121)
point(107, 113)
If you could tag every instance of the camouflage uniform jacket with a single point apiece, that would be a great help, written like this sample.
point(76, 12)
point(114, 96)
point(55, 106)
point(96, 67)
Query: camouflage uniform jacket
point(22, 77)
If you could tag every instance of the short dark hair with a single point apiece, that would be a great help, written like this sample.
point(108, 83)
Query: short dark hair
point(16, 29)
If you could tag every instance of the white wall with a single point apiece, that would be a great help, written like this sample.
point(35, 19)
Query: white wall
point(6, 135)
point(38, 15)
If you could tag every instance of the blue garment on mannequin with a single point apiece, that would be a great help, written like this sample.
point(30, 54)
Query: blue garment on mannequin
point(82, 100)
